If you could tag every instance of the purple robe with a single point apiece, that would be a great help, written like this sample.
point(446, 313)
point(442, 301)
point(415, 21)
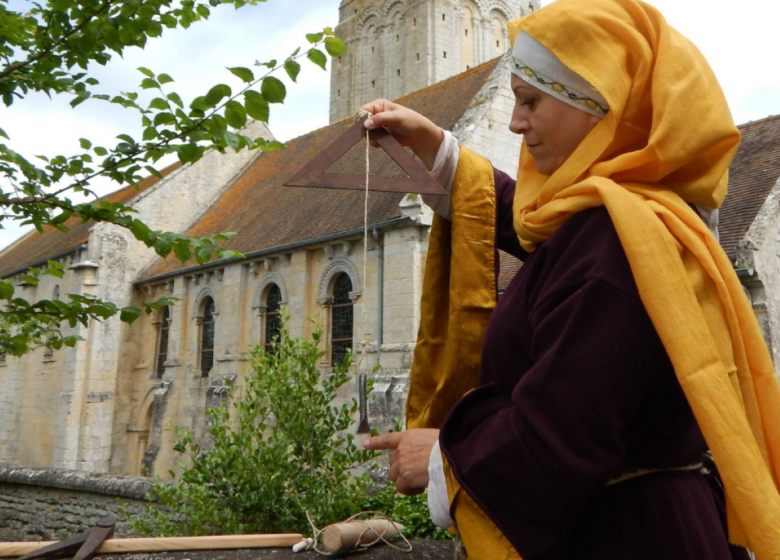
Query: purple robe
point(575, 388)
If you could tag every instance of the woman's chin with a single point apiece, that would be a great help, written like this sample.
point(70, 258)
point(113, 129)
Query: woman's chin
point(544, 168)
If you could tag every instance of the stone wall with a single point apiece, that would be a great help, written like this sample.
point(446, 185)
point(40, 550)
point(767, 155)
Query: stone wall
point(65, 401)
point(758, 254)
point(484, 128)
point(395, 47)
point(149, 407)
point(48, 504)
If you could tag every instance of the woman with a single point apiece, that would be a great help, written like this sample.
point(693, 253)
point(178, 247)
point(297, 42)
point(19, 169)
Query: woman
point(624, 348)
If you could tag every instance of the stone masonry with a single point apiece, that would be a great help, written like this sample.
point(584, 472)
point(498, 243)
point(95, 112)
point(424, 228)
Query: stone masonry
point(46, 504)
point(57, 408)
point(395, 47)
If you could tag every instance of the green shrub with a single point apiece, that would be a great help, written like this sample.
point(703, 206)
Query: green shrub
point(409, 511)
point(286, 449)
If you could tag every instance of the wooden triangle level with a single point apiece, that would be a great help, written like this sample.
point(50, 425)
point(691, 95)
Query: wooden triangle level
point(315, 174)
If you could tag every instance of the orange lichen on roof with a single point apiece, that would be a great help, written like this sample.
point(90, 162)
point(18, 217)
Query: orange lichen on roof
point(753, 173)
point(36, 247)
point(265, 214)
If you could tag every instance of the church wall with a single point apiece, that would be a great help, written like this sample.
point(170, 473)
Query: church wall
point(149, 407)
point(41, 390)
point(759, 255)
point(484, 128)
point(59, 408)
point(395, 47)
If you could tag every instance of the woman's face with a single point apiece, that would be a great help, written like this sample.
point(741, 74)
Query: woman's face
point(552, 129)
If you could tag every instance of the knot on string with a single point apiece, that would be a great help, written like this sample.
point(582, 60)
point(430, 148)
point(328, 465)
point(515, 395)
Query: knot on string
point(363, 113)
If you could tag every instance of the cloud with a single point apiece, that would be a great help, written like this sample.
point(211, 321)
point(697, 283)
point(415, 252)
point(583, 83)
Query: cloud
point(197, 59)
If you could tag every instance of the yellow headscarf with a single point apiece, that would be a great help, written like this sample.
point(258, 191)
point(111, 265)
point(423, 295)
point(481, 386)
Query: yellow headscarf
point(667, 142)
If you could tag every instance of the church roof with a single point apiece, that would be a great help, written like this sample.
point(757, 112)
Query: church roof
point(755, 170)
point(264, 214)
point(36, 248)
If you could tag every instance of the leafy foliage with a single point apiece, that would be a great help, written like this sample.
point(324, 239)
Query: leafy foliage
point(286, 450)
point(409, 511)
point(50, 49)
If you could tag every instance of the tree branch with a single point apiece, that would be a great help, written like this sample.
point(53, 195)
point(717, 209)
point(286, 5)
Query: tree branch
point(10, 70)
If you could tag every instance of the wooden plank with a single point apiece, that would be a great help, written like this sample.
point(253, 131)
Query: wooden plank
point(168, 544)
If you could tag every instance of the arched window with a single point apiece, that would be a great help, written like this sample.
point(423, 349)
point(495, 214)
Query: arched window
point(162, 341)
point(468, 57)
point(273, 318)
point(207, 337)
point(372, 59)
point(342, 315)
point(499, 44)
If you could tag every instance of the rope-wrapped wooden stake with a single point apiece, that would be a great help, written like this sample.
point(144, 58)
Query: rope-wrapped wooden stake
point(343, 537)
point(354, 535)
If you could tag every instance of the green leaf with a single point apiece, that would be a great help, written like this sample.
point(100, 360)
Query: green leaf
point(203, 11)
point(182, 252)
point(199, 104)
point(273, 90)
point(217, 126)
point(314, 37)
point(270, 64)
point(129, 314)
point(256, 106)
point(233, 140)
point(188, 153)
point(6, 289)
point(146, 72)
point(149, 83)
point(149, 133)
point(79, 99)
point(159, 104)
point(244, 73)
point(229, 254)
point(164, 79)
point(153, 171)
point(164, 118)
point(100, 151)
point(292, 68)
point(335, 46)
point(103, 311)
point(85, 144)
point(176, 99)
point(216, 94)
point(318, 58)
point(235, 114)
point(126, 138)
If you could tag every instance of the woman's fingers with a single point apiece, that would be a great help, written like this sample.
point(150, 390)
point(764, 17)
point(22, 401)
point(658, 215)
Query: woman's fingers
point(377, 106)
point(409, 460)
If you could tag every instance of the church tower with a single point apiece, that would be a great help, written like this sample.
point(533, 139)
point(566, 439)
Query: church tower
point(395, 47)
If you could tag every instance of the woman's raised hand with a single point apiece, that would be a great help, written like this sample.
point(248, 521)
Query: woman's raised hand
point(408, 127)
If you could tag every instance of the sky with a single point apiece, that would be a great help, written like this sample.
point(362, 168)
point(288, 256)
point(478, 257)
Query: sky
point(739, 39)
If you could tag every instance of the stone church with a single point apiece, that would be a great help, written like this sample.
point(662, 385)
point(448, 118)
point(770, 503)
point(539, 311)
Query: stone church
point(108, 405)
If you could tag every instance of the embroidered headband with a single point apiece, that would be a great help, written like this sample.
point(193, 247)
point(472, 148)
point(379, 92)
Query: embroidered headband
point(540, 68)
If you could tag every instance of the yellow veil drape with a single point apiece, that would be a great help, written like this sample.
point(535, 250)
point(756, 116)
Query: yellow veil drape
point(666, 143)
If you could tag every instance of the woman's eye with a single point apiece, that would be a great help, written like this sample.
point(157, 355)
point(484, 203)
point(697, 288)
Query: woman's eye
point(528, 102)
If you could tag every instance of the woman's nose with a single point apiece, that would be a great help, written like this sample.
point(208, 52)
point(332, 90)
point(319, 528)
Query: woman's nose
point(519, 122)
